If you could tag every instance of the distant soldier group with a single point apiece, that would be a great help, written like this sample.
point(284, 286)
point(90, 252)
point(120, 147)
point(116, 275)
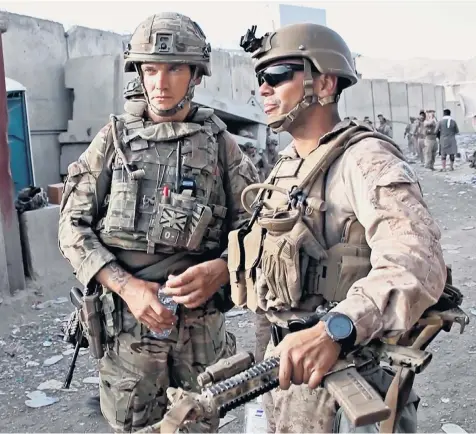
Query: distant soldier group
point(384, 126)
point(426, 136)
point(263, 159)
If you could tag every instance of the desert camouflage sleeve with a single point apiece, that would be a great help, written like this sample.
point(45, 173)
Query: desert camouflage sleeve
point(408, 270)
point(85, 189)
point(241, 173)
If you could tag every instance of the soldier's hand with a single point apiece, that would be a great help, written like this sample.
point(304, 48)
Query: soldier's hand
point(197, 284)
point(141, 298)
point(306, 356)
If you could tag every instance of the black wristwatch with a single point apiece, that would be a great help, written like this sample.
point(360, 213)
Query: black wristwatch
point(341, 330)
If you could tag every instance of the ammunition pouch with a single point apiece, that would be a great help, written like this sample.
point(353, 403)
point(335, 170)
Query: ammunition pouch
point(123, 200)
point(244, 253)
point(288, 246)
point(294, 264)
point(112, 306)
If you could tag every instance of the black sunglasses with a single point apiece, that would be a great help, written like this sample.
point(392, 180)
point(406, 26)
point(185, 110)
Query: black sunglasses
point(277, 74)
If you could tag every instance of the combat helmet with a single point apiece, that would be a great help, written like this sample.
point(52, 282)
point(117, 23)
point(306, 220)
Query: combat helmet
point(169, 37)
point(320, 48)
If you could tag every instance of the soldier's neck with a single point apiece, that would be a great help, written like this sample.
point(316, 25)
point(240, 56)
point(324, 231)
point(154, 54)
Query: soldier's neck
point(180, 116)
point(316, 124)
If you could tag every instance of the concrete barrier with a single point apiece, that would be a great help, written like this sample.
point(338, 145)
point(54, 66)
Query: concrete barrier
point(39, 233)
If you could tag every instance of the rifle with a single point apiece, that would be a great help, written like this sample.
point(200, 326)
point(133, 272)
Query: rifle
point(235, 381)
point(232, 382)
point(83, 328)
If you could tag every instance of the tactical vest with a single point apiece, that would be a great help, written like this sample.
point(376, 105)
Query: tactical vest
point(181, 157)
point(429, 129)
point(298, 270)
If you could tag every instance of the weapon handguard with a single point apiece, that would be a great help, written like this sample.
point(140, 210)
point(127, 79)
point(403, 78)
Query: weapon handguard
point(362, 403)
point(247, 385)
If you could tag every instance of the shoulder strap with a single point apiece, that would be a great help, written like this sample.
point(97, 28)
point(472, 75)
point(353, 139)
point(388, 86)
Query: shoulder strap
point(223, 162)
point(320, 160)
point(133, 120)
point(218, 125)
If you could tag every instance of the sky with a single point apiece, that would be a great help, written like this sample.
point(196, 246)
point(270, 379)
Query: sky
point(378, 28)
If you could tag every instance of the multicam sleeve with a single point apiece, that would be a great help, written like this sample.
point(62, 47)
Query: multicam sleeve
point(241, 173)
point(85, 190)
point(408, 270)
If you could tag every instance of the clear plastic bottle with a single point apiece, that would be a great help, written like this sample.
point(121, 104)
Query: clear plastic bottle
point(170, 304)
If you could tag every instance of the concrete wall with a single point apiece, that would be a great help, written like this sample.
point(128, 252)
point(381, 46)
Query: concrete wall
point(397, 101)
point(71, 100)
point(400, 110)
point(429, 100)
point(359, 100)
point(35, 52)
point(83, 41)
point(75, 80)
point(381, 99)
point(440, 100)
point(43, 260)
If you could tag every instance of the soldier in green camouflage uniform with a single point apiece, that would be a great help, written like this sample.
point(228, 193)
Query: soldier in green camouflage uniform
point(146, 211)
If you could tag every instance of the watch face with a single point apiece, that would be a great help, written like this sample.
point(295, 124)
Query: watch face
point(340, 327)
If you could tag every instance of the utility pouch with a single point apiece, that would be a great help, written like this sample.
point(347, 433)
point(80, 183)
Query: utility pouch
point(182, 224)
point(287, 247)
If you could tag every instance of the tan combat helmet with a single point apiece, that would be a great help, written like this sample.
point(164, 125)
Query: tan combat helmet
point(318, 46)
point(169, 37)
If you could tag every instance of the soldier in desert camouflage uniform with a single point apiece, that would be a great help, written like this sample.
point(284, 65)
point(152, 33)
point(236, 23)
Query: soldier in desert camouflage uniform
point(344, 221)
point(430, 126)
point(420, 136)
point(271, 153)
point(146, 211)
point(408, 134)
point(384, 127)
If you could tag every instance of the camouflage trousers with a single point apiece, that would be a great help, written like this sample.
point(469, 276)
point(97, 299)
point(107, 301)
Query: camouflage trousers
point(420, 149)
point(431, 147)
point(137, 369)
point(263, 336)
point(411, 143)
point(302, 410)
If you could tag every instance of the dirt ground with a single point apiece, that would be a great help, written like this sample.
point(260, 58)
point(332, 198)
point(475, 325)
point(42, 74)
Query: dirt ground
point(30, 334)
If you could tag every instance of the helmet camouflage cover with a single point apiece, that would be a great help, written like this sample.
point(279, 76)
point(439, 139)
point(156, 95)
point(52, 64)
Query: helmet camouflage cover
point(318, 46)
point(169, 37)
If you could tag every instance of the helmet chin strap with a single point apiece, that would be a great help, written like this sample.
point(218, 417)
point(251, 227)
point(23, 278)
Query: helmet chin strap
point(180, 105)
point(280, 123)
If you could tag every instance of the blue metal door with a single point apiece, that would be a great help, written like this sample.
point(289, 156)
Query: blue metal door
point(20, 162)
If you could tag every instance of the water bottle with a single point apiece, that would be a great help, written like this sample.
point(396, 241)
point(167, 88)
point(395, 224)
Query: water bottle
point(170, 304)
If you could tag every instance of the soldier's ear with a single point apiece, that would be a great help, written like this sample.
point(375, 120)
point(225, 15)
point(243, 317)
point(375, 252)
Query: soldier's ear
point(325, 85)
